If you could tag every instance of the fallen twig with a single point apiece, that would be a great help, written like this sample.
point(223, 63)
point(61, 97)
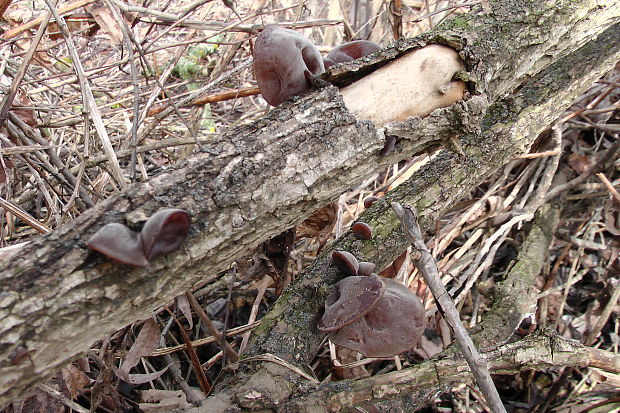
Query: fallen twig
point(427, 266)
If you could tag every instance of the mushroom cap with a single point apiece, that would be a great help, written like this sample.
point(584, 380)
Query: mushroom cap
point(349, 299)
point(119, 243)
point(394, 325)
point(365, 268)
point(361, 230)
point(165, 231)
point(283, 60)
point(346, 262)
point(369, 200)
point(352, 50)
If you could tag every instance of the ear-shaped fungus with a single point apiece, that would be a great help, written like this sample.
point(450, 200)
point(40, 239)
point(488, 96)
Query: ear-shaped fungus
point(346, 262)
point(349, 300)
point(283, 62)
point(392, 325)
point(119, 243)
point(350, 51)
point(165, 231)
point(361, 230)
point(366, 268)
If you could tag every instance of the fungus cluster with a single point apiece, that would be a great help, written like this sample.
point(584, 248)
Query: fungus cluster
point(163, 233)
point(378, 317)
point(350, 51)
point(285, 62)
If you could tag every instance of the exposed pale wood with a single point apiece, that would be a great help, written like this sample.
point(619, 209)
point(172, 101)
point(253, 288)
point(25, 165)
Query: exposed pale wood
point(413, 85)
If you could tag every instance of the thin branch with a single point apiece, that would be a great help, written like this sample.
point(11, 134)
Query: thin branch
point(219, 338)
point(427, 266)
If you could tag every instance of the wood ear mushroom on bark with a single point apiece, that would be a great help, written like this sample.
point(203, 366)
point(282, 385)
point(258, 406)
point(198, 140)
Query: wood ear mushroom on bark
point(350, 51)
point(163, 233)
point(377, 317)
point(284, 60)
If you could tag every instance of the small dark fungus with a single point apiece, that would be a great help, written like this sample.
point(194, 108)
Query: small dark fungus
point(119, 243)
point(388, 147)
point(361, 230)
point(369, 200)
point(165, 231)
point(346, 262)
point(349, 299)
point(366, 268)
point(351, 51)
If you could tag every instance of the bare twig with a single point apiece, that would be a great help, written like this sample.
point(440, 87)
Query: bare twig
point(219, 339)
point(60, 396)
point(26, 217)
point(7, 102)
point(425, 263)
point(613, 191)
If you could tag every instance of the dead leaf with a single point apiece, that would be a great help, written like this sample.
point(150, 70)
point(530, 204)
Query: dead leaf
point(347, 356)
point(16, 14)
point(321, 221)
point(392, 270)
point(612, 218)
point(74, 379)
point(156, 401)
point(579, 163)
point(184, 307)
point(430, 346)
point(145, 378)
point(146, 342)
point(107, 22)
point(36, 401)
point(27, 115)
point(74, 24)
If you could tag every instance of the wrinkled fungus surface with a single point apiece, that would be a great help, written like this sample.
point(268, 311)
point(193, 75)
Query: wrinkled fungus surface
point(284, 60)
point(119, 243)
point(350, 299)
point(346, 262)
point(165, 231)
point(350, 51)
point(394, 323)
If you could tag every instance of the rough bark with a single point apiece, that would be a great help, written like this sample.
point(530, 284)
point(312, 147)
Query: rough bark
point(530, 60)
point(411, 388)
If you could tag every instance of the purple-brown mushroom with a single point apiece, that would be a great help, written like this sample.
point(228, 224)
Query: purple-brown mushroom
point(346, 262)
point(119, 243)
point(369, 200)
point(349, 299)
point(388, 146)
point(391, 325)
point(365, 268)
point(361, 230)
point(284, 61)
point(350, 51)
point(165, 231)
point(162, 233)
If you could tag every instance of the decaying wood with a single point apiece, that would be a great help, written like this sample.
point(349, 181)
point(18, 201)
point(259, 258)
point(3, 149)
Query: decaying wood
point(413, 85)
point(408, 389)
point(247, 186)
point(530, 61)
